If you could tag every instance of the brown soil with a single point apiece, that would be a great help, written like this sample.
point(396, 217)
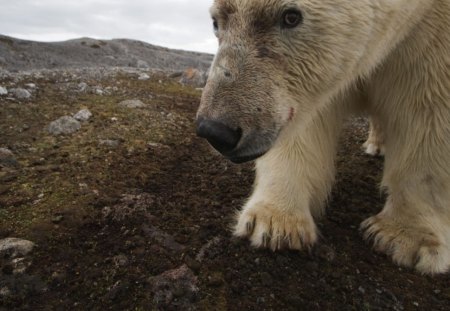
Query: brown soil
point(110, 221)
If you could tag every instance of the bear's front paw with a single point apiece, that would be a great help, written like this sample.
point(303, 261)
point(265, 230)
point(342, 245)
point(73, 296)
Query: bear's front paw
point(268, 226)
point(408, 245)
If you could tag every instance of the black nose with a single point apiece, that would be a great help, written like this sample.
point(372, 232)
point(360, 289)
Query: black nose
point(219, 135)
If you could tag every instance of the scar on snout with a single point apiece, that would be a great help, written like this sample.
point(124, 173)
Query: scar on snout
point(291, 114)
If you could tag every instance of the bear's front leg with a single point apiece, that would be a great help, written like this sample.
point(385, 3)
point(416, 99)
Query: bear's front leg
point(292, 183)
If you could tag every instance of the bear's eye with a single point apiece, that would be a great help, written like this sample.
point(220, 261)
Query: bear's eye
point(215, 26)
point(291, 18)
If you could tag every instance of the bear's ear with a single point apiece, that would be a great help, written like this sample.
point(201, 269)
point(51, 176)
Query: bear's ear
point(291, 18)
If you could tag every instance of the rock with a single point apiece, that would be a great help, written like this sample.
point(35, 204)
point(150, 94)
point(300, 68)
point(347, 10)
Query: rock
point(176, 288)
point(59, 276)
point(21, 93)
point(82, 86)
point(30, 85)
point(132, 103)
point(215, 279)
point(109, 143)
point(120, 260)
point(57, 219)
point(325, 253)
point(83, 115)
point(143, 76)
point(20, 265)
point(64, 125)
point(208, 248)
point(14, 247)
point(5, 292)
point(193, 77)
point(3, 91)
point(164, 239)
point(7, 158)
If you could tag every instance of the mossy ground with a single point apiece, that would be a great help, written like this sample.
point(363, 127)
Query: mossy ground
point(59, 194)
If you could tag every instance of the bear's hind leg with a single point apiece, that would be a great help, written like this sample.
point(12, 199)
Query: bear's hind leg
point(374, 144)
point(414, 226)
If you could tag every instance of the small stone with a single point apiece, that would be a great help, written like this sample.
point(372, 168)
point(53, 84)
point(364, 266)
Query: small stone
point(59, 276)
point(143, 77)
point(83, 115)
point(260, 300)
point(5, 292)
point(180, 283)
point(82, 86)
point(99, 92)
point(14, 247)
point(132, 103)
point(215, 279)
point(7, 158)
point(30, 85)
point(21, 93)
point(109, 143)
point(361, 290)
point(64, 125)
point(120, 260)
point(3, 91)
point(20, 265)
point(325, 252)
point(57, 219)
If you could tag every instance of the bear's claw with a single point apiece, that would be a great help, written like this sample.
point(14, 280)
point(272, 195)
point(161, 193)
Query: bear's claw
point(407, 246)
point(273, 228)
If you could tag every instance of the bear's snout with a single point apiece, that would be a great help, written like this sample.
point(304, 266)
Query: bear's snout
point(222, 137)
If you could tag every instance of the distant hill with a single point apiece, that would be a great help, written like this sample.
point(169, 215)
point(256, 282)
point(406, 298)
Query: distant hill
point(19, 55)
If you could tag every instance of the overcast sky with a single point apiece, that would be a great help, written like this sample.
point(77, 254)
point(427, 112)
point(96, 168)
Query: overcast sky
point(182, 24)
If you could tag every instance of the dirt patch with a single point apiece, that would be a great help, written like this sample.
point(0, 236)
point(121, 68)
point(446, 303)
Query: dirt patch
point(143, 223)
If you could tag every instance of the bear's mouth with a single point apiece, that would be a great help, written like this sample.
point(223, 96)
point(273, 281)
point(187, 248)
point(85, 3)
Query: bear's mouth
point(252, 147)
point(245, 158)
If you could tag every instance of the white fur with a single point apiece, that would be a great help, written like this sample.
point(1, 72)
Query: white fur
point(404, 72)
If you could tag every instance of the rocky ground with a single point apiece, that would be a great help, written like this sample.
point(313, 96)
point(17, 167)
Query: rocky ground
point(109, 201)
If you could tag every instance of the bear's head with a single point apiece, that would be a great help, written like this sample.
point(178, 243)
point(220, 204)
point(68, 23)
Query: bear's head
point(278, 63)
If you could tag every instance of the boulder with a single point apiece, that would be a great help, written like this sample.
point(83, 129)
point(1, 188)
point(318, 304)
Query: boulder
point(14, 247)
point(132, 103)
point(83, 115)
point(64, 125)
point(21, 93)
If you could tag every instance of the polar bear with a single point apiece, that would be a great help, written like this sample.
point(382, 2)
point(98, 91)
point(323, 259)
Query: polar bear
point(286, 74)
